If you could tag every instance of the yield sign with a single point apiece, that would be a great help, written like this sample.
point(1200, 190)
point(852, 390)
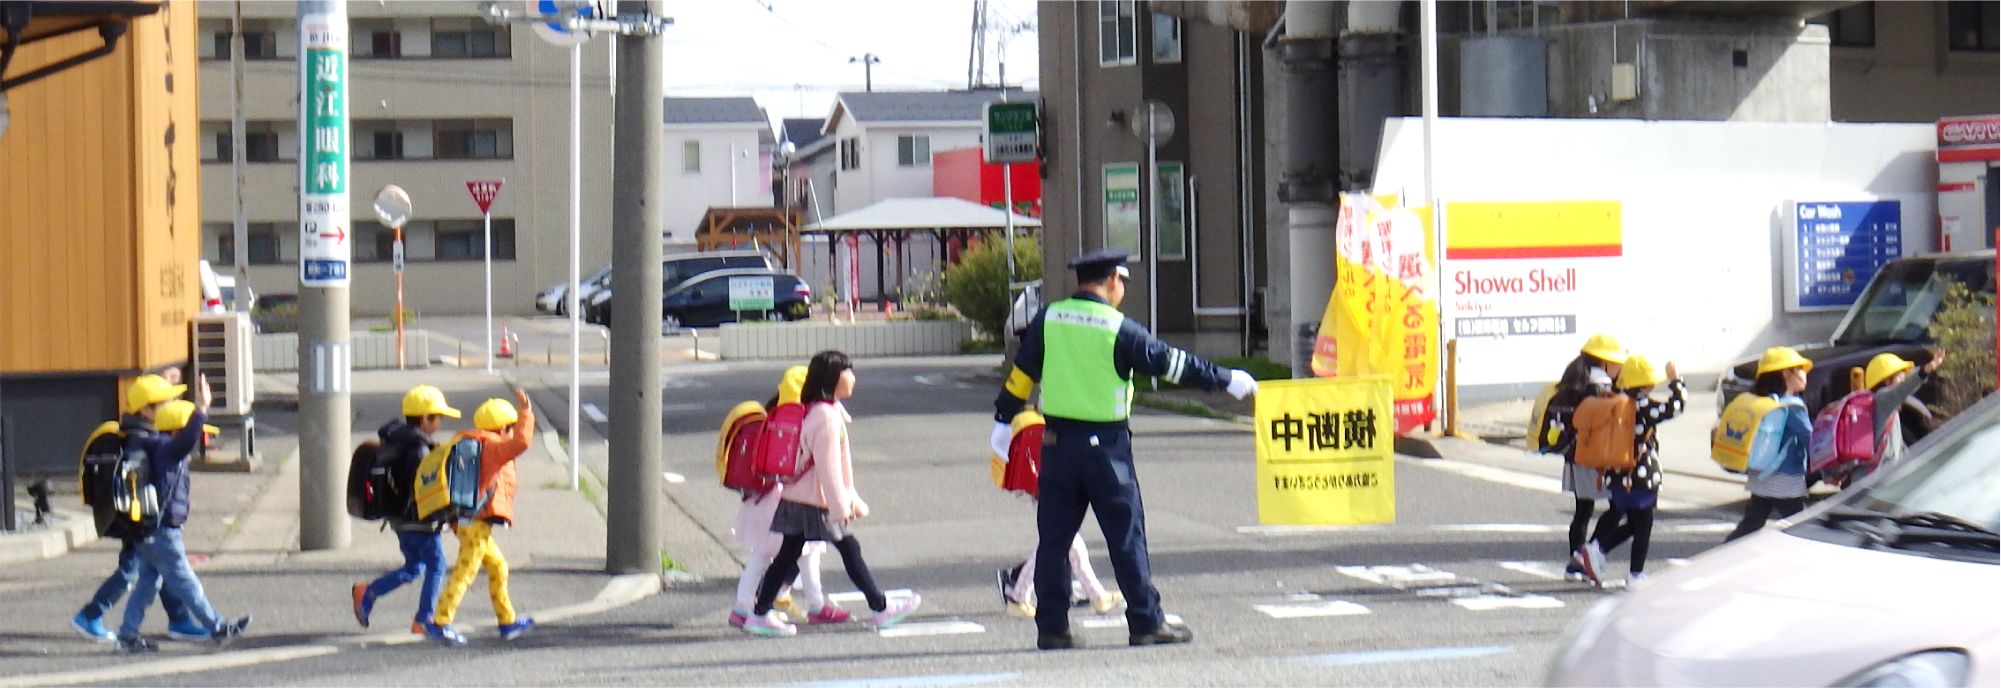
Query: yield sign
point(483, 193)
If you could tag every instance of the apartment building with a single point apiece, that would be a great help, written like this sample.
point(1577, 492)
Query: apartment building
point(438, 97)
point(719, 153)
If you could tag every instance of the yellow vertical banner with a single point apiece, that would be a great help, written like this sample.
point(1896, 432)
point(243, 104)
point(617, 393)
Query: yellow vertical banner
point(1382, 317)
point(1324, 450)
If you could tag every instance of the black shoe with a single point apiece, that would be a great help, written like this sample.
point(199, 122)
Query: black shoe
point(229, 631)
point(1056, 642)
point(1004, 581)
point(136, 645)
point(1167, 634)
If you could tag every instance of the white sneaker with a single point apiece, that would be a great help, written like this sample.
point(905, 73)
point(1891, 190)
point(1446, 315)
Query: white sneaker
point(1112, 600)
point(768, 625)
point(1635, 579)
point(1591, 564)
point(897, 610)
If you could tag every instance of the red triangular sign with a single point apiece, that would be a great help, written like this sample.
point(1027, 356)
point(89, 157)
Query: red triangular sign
point(483, 193)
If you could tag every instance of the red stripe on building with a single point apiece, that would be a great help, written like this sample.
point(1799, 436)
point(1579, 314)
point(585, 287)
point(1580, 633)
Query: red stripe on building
point(1969, 154)
point(1508, 252)
point(1955, 186)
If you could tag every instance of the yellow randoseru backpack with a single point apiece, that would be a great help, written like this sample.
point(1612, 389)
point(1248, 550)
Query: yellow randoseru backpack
point(1733, 442)
point(448, 478)
point(1538, 415)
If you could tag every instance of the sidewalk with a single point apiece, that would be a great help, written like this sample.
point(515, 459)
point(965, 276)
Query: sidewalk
point(243, 539)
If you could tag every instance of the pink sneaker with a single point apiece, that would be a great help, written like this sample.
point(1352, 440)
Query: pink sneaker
point(829, 614)
point(769, 626)
point(897, 610)
point(737, 619)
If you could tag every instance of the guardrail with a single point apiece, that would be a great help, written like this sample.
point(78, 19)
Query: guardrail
point(368, 350)
point(800, 340)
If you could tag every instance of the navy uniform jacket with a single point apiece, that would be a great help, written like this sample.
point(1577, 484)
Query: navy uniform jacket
point(1134, 351)
point(167, 455)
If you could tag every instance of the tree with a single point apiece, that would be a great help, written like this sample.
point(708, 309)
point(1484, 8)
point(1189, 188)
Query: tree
point(977, 286)
point(1964, 329)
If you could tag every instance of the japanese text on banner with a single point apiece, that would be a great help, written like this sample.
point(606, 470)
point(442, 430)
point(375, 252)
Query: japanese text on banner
point(1382, 318)
point(1325, 451)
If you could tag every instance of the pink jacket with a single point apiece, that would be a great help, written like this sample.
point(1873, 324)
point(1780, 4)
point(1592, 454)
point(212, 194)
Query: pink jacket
point(830, 482)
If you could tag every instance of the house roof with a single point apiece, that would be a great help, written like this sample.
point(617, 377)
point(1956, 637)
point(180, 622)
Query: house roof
point(802, 131)
point(715, 111)
point(920, 213)
point(920, 106)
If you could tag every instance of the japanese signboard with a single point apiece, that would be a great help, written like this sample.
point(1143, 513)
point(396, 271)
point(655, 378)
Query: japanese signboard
point(1836, 248)
point(483, 192)
point(1170, 203)
point(1382, 318)
point(751, 294)
point(1522, 283)
point(1011, 135)
point(1325, 452)
point(324, 250)
point(1122, 206)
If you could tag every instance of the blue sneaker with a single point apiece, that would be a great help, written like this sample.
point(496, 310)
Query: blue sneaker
point(444, 635)
point(188, 631)
point(92, 628)
point(514, 630)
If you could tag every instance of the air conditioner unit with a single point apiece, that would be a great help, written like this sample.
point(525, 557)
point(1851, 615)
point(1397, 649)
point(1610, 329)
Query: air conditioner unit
point(222, 352)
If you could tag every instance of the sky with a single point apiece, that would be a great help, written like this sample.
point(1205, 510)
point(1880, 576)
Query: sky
point(792, 55)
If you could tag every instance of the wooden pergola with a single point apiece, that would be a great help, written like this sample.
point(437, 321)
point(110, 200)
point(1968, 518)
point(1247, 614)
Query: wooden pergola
point(950, 222)
point(728, 228)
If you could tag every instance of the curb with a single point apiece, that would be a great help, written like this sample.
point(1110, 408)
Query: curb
point(69, 531)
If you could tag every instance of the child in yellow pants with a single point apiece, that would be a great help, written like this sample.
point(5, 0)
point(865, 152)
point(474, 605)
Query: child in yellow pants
point(504, 435)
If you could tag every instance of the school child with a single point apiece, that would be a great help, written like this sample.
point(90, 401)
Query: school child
point(822, 504)
point(163, 558)
point(1017, 585)
point(504, 434)
point(422, 542)
point(1900, 416)
point(1778, 484)
point(753, 531)
point(1633, 495)
point(89, 621)
point(1020, 590)
point(1590, 374)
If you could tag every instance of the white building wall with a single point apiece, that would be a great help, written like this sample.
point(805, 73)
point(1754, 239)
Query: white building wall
point(1700, 280)
point(690, 194)
point(892, 180)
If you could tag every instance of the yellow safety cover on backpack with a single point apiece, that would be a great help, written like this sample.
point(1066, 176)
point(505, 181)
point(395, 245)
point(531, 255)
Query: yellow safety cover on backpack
point(997, 464)
point(109, 427)
point(1536, 415)
point(738, 414)
point(434, 490)
point(1731, 444)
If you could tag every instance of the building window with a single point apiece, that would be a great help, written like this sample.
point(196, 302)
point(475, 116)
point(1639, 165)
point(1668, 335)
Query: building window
point(224, 152)
point(473, 139)
point(851, 153)
point(375, 38)
point(263, 244)
point(224, 254)
point(373, 242)
point(1170, 205)
point(1850, 27)
point(469, 37)
point(913, 151)
point(465, 240)
point(377, 140)
point(1972, 25)
point(1166, 38)
point(691, 156)
point(1117, 31)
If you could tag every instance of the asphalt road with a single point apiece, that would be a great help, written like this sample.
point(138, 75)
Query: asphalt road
point(1464, 589)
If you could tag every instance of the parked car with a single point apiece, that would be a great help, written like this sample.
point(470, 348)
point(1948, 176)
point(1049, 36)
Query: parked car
point(587, 287)
point(705, 300)
point(674, 270)
point(1890, 317)
point(1877, 586)
point(275, 313)
point(211, 290)
point(551, 300)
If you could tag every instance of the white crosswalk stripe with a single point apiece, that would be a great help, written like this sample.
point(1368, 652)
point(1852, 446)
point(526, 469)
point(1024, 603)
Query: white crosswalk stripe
point(1467, 593)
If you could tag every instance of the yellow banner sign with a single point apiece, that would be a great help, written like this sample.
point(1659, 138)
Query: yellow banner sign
point(1382, 318)
point(1325, 450)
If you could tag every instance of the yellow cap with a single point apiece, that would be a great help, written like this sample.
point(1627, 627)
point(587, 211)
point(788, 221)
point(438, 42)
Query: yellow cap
point(1603, 347)
point(149, 390)
point(495, 414)
point(791, 385)
point(1782, 358)
point(425, 400)
point(1882, 367)
point(1639, 373)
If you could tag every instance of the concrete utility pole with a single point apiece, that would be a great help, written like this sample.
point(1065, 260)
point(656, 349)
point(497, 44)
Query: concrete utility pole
point(868, 62)
point(240, 233)
point(634, 483)
point(325, 410)
point(1310, 164)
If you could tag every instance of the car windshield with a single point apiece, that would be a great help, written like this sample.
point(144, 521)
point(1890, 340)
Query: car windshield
point(1903, 298)
point(1955, 476)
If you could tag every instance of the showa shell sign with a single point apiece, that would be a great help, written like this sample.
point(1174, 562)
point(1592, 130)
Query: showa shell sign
point(1518, 274)
point(1382, 318)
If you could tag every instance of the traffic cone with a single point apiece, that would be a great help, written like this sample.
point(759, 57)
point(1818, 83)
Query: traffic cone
point(506, 344)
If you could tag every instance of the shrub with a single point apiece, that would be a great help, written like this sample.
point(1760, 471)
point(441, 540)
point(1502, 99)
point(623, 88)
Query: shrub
point(977, 286)
point(1964, 329)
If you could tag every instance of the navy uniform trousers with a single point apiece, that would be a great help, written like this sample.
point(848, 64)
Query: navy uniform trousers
point(1090, 466)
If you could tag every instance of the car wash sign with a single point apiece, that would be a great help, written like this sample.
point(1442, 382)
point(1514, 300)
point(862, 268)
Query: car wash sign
point(1836, 248)
point(325, 246)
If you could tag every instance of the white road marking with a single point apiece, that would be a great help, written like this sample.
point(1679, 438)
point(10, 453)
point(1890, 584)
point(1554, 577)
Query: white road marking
point(1519, 479)
point(911, 630)
point(1533, 568)
point(940, 680)
point(168, 667)
point(856, 596)
point(1498, 528)
point(1487, 603)
point(1311, 609)
point(670, 408)
point(1468, 593)
point(1101, 622)
point(673, 478)
point(1429, 654)
point(1715, 527)
point(1397, 576)
point(596, 414)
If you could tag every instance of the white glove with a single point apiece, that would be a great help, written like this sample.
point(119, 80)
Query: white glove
point(999, 440)
point(1242, 384)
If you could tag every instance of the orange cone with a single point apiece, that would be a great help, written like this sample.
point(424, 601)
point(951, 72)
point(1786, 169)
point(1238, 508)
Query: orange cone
point(506, 344)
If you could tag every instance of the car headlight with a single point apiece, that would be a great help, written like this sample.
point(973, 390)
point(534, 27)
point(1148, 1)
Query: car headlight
point(1581, 636)
point(1928, 668)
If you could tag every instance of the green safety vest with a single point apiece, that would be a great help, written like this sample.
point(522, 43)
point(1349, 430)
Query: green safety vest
point(1078, 379)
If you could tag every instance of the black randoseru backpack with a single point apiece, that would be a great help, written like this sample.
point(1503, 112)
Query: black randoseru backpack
point(374, 491)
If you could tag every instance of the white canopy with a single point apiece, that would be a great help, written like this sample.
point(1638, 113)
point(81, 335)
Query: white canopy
point(920, 213)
